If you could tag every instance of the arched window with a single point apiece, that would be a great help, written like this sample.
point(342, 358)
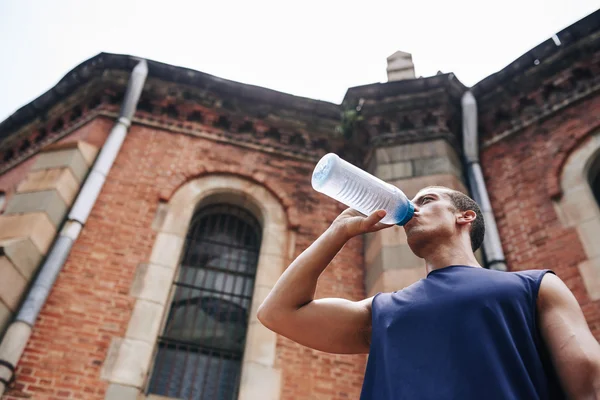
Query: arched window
point(200, 350)
point(594, 178)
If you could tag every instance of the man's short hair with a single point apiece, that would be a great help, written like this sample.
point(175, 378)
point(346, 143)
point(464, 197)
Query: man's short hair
point(462, 202)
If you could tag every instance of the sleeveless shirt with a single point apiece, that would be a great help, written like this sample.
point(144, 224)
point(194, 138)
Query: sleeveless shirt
point(461, 333)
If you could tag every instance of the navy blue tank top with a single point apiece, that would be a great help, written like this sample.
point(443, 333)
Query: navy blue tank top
point(461, 333)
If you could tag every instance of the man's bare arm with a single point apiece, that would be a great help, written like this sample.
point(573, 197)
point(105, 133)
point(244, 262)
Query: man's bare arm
point(574, 350)
point(332, 325)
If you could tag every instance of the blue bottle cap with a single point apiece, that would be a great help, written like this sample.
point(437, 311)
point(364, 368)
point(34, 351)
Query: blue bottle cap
point(410, 210)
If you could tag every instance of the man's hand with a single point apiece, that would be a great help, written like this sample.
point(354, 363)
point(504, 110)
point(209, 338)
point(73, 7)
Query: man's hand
point(574, 351)
point(352, 223)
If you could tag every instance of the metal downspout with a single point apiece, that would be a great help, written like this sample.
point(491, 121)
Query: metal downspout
point(18, 333)
point(492, 247)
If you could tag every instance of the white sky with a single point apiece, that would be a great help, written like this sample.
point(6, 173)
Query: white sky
point(309, 48)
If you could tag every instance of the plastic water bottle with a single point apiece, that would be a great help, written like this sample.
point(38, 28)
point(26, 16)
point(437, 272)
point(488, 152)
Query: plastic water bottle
point(360, 190)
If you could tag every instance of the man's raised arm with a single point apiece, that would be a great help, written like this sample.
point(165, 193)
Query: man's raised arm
point(332, 325)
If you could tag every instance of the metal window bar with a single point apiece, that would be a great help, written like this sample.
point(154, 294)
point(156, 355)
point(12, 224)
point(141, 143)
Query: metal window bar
point(200, 350)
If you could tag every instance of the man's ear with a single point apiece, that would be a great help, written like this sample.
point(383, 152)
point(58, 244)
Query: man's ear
point(466, 217)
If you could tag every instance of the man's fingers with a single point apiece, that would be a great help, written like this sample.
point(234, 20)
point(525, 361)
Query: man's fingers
point(374, 218)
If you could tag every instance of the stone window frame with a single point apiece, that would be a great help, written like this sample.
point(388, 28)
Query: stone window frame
point(129, 359)
point(577, 208)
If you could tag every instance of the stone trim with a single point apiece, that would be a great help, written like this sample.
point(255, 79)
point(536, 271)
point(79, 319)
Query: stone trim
point(553, 175)
point(577, 208)
point(129, 359)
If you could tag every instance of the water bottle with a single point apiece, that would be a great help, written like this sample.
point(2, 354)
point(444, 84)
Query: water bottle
point(360, 190)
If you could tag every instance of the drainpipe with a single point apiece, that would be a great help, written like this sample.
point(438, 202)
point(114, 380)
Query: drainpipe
point(492, 247)
point(18, 333)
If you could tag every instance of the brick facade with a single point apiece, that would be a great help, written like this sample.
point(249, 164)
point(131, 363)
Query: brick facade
point(516, 171)
point(90, 302)
point(191, 126)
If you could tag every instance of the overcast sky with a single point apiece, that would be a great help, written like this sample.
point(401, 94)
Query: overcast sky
point(309, 48)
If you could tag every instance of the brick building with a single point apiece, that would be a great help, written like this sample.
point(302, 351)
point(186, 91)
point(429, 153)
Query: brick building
point(208, 199)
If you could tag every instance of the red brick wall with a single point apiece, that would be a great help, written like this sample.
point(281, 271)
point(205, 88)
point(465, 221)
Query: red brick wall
point(516, 171)
point(89, 304)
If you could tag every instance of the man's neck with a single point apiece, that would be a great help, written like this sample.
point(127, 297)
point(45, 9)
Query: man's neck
point(444, 256)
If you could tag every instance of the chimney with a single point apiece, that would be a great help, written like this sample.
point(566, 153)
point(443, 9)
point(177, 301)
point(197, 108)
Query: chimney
point(400, 66)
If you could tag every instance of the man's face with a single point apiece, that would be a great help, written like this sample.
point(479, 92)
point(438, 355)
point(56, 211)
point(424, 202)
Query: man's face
point(434, 219)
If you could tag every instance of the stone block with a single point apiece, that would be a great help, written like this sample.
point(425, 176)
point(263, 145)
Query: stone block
point(391, 258)
point(436, 165)
point(159, 217)
point(23, 255)
point(384, 172)
point(47, 201)
point(12, 284)
point(121, 392)
point(127, 362)
point(145, 321)
point(393, 171)
point(67, 158)
point(274, 242)
point(152, 282)
point(589, 233)
point(402, 170)
point(411, 186)
point(396, 279)
point(413, 151)
point(167, 250)
point(259, 382)
point(374, 242)
point(62, 180)
point(578, 204)
point(269, 269)
point(260, 345)
point(36, 226)
point(590, 272)
point(5, 317)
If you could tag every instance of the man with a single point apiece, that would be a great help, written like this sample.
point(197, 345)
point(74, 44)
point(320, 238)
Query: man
point(463, 332)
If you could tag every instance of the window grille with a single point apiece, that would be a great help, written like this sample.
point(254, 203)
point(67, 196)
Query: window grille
point(200, 351)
